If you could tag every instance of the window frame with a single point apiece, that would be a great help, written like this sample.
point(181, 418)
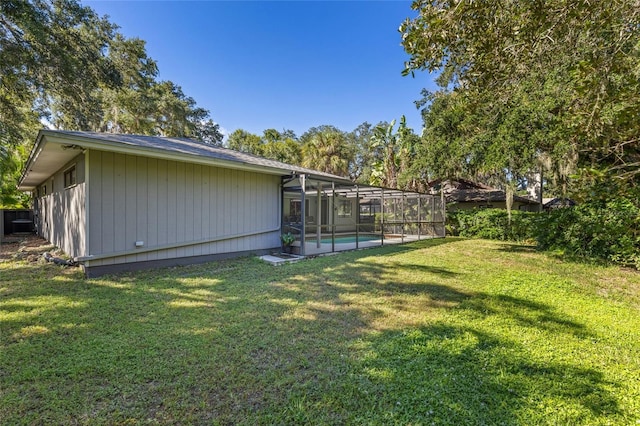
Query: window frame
point(344, 208)
point(72, 174)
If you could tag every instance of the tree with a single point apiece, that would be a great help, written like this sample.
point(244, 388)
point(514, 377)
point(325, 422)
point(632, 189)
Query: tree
point(61, 63)
point(325, 148)
point(50, 52)
point(175, 114)
point(360, 141)
point(281, 146)
point(243, 141)
point(394, 153)
point(130, 107)
point(534, 79)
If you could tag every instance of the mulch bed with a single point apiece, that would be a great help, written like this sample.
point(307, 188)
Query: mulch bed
point(28, 247)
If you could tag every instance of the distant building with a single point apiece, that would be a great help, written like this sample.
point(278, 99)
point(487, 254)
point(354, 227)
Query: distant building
point(464, 194)
point(556, 203)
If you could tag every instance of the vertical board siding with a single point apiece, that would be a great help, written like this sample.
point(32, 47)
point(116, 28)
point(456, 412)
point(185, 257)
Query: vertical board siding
point(142, 171)
point(170, 223)
point(164, 202)
point(64, 220)
point(95, 201)
point(183, 213)
point(204, 202)
point(107, 192)
point(61, 213)
point(120, 203)
point(153, 199)
point(131, 202)
point(197, 207)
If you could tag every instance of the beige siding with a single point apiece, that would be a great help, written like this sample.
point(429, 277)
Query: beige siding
point(60, 214)
point(169, 205)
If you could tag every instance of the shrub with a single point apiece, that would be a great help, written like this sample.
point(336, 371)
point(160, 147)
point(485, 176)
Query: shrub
point(603, 229)
point(492, 224)
point(287, 239)
point(607, 230)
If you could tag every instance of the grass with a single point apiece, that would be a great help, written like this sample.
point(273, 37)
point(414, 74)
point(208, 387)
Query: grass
point(437, 332)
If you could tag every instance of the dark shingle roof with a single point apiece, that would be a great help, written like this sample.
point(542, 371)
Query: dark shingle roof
point(463, 190)
point(193, 147)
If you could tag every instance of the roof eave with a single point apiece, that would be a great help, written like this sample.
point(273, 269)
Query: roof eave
point(33, 155)
point(99, 144)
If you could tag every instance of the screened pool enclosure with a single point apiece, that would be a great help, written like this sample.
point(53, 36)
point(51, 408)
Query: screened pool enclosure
point(327, 216)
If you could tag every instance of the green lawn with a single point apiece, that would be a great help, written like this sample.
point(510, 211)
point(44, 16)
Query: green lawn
point(438, 332)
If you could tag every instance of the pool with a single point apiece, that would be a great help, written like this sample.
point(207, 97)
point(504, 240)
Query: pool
point(346, 239)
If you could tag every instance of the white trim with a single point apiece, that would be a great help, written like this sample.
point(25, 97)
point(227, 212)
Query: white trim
point(173, 245)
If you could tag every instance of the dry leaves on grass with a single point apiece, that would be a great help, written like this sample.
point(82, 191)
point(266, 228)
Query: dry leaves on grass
point(25, 247)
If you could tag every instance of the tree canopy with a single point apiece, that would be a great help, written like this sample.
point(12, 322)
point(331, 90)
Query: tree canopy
point(281, 146)
point(62, 64)
point(371, 155)
point(529, 83)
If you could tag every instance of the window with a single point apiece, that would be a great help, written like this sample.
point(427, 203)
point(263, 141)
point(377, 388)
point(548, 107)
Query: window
point(70, 176)
point(295, 208)
point(368, 211)
point(344, 208)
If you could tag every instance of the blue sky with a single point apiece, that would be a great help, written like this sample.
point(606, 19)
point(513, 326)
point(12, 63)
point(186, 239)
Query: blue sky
point(280, 64)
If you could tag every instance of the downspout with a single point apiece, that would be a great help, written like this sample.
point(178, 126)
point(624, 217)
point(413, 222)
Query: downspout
point(281, 207)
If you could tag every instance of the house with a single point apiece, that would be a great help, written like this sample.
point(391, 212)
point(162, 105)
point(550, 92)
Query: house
point(125, 202)
point(463, 194)
point(553, 203)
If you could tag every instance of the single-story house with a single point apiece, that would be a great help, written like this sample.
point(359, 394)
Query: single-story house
point(463, 194)
point(125, 202)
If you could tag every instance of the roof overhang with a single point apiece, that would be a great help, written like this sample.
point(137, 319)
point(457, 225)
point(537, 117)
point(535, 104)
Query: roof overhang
point(45, 159)
point(53, 150)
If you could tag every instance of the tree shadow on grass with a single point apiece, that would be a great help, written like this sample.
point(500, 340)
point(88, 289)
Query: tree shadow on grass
point(242, 342)
point(557, 254)
point(517, 248)
point(461, 375)
point(525, 313)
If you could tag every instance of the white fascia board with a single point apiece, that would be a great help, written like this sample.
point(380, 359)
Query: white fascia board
point(33, 155)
